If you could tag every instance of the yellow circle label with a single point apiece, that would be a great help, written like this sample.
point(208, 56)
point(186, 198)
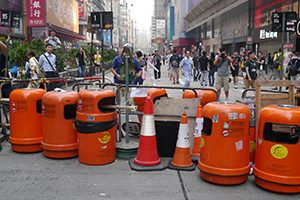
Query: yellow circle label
point(279, 151)
point(202, 143)
point(252, 146)
point(104, 137)
point(74, 126)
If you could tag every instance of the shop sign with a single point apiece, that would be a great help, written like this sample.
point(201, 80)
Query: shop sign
point(35, 13)
point(263, 34)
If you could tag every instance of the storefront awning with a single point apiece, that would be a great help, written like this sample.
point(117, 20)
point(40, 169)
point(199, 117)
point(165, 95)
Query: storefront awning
point(67, 34)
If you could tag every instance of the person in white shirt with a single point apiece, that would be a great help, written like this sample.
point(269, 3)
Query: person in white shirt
point(53, 40)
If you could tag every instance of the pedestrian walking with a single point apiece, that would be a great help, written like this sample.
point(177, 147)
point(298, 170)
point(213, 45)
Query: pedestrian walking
point(294, 67)
point(212, 69)
point(157, 63)
point(168, 64)
point(53, 40)
point(97, 58)
point(277, 65)
point(261, 62)
point(174, 65)
point(236, 68)
point(251, 71)
point(47, 61)
point(80, 60)
point(204, 67)
point(186, 68)
point(138, 55)
point(196, 66)
point(222, 81)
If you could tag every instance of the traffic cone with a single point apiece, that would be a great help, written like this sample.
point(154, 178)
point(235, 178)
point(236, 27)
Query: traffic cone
point(197, 135)
point(182, 156)
point(147, 157)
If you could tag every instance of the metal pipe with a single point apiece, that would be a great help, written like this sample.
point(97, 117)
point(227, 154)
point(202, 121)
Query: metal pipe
point(133, 108)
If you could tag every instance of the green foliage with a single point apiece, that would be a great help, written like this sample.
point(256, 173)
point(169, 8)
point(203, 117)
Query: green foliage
point(65, 56)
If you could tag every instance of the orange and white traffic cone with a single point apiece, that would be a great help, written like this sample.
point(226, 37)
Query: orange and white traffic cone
point(147, 157)
point(182, 157)
point(197, 135)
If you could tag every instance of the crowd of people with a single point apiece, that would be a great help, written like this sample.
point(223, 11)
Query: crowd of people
point(203, 68)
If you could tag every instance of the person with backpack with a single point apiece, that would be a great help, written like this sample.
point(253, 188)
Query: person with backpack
point(294, 66)
point(277, 63)
point(174, 64)
point(223, 63)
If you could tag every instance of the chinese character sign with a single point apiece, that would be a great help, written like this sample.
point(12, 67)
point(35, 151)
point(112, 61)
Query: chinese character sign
point(35, 12)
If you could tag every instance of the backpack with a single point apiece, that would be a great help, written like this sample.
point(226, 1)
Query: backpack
point(294, 68)
point(277, 62)
point(219, 64)
point(174, 62)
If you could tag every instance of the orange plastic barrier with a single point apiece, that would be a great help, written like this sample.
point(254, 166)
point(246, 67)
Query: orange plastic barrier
point(251, 103)
point(224, 157)
point(96, 127)
point(277, 161)
point(59, 135)
point(26, 120)
point(205, 96)
point(154, 93)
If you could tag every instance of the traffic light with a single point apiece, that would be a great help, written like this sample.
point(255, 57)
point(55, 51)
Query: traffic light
point(107, 20)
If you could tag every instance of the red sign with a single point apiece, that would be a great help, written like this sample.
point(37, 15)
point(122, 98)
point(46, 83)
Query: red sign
point(225, 133)
point(35, 13)
point(288, 46)
point(249, 39)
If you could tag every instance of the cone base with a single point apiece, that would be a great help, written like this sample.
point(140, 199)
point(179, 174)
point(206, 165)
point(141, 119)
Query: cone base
point(195, 158)
point(190, 168)
point(133, 166)
point(276, 187)
point(223, 180)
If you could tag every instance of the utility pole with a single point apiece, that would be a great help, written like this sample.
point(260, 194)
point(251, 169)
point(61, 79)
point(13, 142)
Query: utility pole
point(111, 29)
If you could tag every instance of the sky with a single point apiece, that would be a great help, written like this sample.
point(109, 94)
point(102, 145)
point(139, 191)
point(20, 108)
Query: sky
point(142, 12)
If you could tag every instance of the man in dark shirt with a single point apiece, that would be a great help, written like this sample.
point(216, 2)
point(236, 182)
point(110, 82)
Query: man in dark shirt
point(174, 64)
point(196, 66)
point(81, 64)
point(204, 68)
point(6, 89)
point(261, 64)
point(251, 71)
point(236, 65)
point(156, 62)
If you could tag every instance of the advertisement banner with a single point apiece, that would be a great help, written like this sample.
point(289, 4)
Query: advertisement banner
point(81, 8)
point(39, 32)
point(63, 13)
point(116, 37)
point(35, 13)
point(161, 28)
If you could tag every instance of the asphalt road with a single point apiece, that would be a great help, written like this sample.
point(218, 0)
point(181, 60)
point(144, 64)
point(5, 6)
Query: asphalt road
point(33, 176)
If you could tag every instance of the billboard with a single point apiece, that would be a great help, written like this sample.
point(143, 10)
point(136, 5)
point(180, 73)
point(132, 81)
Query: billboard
point(36, 13)
point(63, 13)
point(81, 8)
point(160, 28)
point(115, 37)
